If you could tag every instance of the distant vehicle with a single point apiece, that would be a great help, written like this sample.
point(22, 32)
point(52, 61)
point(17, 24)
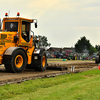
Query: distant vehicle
point(52, 55)
point(48, 54)
point(58, 55)
point(68, 55)
point(94, 55)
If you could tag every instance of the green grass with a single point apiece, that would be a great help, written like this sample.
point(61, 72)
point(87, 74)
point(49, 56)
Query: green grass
point(80, 86)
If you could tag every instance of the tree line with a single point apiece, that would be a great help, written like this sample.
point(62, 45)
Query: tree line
point(81, 45)
point(84, 44)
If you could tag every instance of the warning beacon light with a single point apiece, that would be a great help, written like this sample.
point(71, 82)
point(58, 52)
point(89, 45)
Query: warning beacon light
point(6, 14)
point(18, 14)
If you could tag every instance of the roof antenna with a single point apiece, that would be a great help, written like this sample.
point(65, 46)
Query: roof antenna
point(8, 13)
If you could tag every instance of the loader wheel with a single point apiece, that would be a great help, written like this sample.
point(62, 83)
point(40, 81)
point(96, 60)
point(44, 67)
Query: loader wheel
point(97, 59)
point(42, 62)
point(18, 62)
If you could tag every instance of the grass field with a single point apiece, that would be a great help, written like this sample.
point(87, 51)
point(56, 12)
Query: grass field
point(80, 86)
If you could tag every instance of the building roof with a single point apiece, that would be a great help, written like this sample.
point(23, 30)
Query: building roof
point(53, 49)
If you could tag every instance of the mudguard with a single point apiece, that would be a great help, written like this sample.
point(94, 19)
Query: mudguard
point(38, 51)
point(37, 55)
point(8, 54)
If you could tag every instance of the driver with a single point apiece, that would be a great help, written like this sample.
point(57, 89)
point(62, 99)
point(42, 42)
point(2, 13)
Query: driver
point(24, 36)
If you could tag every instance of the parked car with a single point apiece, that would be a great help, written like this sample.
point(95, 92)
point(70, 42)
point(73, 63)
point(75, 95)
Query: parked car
point(53, 55)
point(58, 55)
point(48, 54)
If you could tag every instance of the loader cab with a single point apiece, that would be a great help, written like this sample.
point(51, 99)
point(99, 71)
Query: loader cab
point(20, 25)
point(20, 28)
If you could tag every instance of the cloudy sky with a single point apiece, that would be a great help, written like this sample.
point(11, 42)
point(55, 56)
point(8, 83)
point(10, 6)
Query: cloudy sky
point(63, 22)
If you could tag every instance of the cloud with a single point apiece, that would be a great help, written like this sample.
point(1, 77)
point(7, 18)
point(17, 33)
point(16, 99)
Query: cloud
point(41, 4)
point(62, 21)
point(41, 7)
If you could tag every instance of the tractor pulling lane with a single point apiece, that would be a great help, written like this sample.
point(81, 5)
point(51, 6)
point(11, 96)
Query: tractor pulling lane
point(54, 69)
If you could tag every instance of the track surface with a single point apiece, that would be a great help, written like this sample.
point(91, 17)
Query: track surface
point(52, 70)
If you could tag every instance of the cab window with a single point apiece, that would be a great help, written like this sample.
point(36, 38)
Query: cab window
point(25, 31)
point(11, 26)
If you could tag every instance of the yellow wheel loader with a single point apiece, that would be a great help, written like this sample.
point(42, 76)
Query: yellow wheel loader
point(17, 45)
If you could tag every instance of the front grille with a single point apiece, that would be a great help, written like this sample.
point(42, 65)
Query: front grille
point(3, 36)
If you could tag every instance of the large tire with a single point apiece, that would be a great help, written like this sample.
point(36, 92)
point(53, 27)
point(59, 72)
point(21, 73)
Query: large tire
point(97, 59)
point(18, 62)
point(41, 63)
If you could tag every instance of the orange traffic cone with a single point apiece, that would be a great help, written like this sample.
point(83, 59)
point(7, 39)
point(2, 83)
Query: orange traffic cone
point(99, 66)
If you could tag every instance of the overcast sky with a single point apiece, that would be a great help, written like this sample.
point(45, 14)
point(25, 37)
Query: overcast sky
point(63, 22)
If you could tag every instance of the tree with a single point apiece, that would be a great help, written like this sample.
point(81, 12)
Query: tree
point(97, 47)
point(43, 41)
point(84, 44)
point(92, 50)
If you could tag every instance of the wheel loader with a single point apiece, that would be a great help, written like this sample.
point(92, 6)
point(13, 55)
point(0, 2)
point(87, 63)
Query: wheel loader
point(17, 46)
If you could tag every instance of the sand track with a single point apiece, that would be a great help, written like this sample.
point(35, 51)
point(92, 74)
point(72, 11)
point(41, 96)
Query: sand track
point(54, 69)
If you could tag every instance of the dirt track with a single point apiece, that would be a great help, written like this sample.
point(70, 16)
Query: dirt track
point(54, 69)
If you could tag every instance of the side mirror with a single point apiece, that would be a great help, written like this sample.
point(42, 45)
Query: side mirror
point(35, 25)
